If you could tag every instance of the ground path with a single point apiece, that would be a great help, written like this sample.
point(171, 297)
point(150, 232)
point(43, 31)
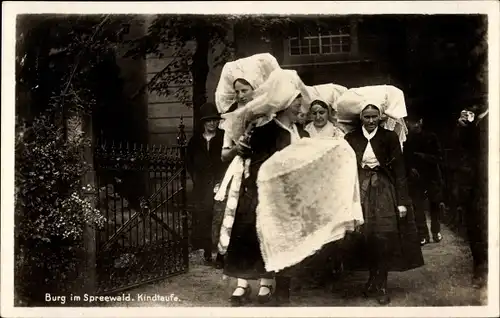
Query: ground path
point(443, 281)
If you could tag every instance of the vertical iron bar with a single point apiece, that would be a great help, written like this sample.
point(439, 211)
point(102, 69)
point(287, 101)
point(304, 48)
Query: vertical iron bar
point(156, 198)
point(147, 192)
point(183, 206)
point(173, 243)
point(154, 188)
point(162, 197)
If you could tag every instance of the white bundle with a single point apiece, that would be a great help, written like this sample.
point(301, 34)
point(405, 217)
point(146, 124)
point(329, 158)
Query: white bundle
point(328, 93)
point(305, 201)
point(254, 69)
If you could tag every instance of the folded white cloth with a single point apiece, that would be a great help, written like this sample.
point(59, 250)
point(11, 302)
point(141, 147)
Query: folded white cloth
point(308, 197)
point(328, 93)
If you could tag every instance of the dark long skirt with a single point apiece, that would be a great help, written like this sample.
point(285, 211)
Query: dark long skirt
point(202, 218)
point(385, 237)
point(243, 257)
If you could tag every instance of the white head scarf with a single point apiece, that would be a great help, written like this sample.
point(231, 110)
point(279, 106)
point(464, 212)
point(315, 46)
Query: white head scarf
point(254, 69)
point(274, 95)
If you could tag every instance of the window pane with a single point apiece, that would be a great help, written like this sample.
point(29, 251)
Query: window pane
point(314, 49)
point(326, 49)
point(314, 42)
point(294, 51)
point(335, 41)
point(304, 50)
point(294, 42)
point(346, 47)
point(336, 48)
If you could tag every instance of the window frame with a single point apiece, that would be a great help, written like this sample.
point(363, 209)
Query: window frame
point(344, 39)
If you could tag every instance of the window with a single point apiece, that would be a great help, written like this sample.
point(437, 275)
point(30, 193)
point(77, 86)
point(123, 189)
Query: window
point(321, 44)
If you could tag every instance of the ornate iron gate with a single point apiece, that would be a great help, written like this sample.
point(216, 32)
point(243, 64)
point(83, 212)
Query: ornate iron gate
point(142, 194)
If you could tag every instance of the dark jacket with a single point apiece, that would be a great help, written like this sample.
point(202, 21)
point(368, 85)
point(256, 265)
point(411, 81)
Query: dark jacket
point(428, 167)
point(204, 164)
point(474, 146)
point(387, 149)
point(268, 139)
point(265, 141)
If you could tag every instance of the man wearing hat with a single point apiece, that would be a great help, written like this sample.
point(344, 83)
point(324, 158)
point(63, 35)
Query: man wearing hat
point(206, 170)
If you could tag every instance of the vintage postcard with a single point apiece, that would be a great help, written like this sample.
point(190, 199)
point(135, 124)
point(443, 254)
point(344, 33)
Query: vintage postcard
point(241, 159)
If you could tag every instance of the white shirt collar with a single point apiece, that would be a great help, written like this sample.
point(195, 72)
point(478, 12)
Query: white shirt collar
point(368, 135)
point(292, 130)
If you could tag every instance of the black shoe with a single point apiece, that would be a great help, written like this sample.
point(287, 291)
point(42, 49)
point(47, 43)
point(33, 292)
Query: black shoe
point(424, 242)
point(237, 301)
point(370, 286)
point(383, 297)
point(437, 237)
point(382, 294)
point(219, 261)
point(267, 298)
point(282, 293)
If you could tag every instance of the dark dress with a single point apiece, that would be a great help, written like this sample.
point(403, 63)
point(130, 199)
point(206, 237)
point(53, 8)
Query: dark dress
point(206, 169)
point(429, 184)
point(388, 240)
point(243, 258)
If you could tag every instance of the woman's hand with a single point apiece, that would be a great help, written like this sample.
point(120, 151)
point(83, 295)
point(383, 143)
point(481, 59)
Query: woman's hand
point(242, 149)
point(402, 211)
point(216, 188)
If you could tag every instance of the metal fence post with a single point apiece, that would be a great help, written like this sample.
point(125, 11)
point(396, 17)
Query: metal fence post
point(181, 141)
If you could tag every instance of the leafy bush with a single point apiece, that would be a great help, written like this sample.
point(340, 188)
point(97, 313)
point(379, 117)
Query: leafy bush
point(52, 206)
point(50, 196)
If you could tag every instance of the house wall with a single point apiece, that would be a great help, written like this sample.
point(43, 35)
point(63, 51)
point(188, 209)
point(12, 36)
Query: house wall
point(164, 112)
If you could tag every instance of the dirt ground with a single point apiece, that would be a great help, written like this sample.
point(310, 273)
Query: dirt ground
point(443, 281)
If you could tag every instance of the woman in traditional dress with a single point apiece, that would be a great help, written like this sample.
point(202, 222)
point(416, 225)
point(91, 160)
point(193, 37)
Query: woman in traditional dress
point(322, 124)
point(235, 89)
point(206, 169)
point(243, 259)
point(390, 235)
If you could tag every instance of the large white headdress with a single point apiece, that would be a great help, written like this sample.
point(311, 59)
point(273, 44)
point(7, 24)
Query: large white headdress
point(389, 99)
point(274, 95)
point(254, 69)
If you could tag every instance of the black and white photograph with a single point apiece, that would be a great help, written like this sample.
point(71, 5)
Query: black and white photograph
point(227, 159)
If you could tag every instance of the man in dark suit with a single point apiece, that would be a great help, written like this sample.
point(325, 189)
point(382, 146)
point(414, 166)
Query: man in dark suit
point(473, 125)
point(423, 159)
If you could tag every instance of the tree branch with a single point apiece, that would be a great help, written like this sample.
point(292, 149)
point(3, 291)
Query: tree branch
point(155, 78)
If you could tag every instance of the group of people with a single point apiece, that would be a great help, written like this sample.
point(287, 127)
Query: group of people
point(392, 181)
